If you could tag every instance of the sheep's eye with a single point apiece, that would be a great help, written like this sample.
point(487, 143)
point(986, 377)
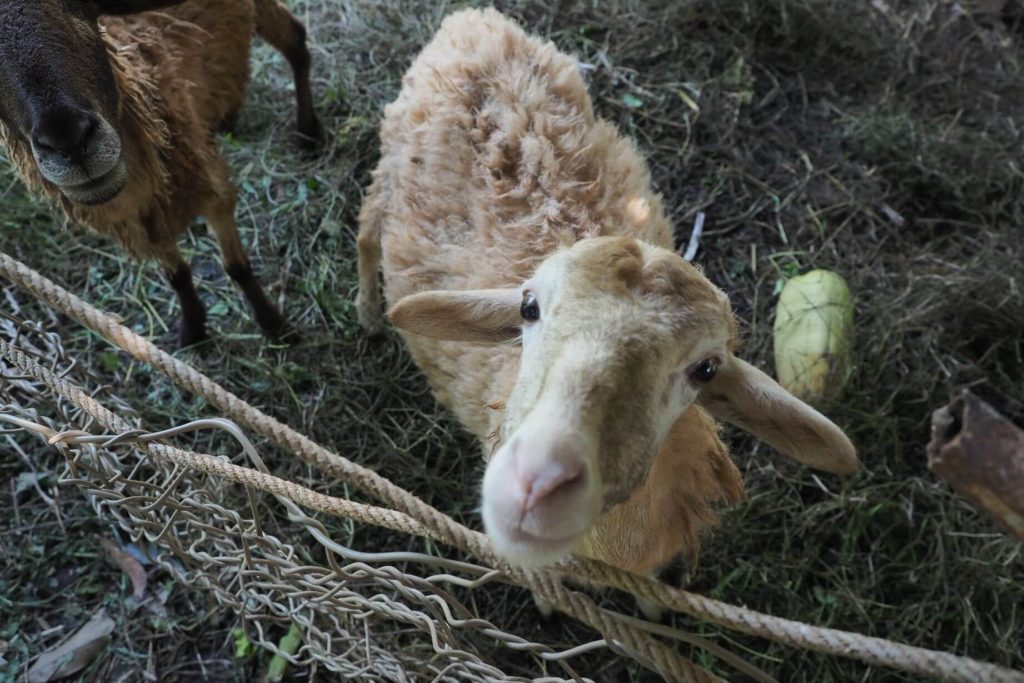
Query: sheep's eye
point(530, 310)
point(704, 371)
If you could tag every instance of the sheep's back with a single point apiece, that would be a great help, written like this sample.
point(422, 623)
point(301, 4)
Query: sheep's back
point(201, 51)
point(491, 159)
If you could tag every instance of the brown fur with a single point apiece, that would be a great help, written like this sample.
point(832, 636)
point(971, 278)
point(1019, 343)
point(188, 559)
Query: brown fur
point(506, 119)
point(164, 68)
point(616, 265)
point(181, 74)
point(667, 515)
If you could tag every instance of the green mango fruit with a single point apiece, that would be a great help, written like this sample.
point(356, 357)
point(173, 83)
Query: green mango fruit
point(813, 324)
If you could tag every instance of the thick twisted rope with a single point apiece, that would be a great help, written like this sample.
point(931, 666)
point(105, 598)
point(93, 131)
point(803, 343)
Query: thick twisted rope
point(546, 584)
point(621, 634)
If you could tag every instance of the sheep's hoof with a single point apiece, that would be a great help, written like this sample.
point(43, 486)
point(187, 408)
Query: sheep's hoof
point(373, 328)
point(652, 610)
point(288, 334)
point(190, 335)
point(270, 320)
point(544, 607)
point(277, 329)
point(370, 317)
point(312, 136)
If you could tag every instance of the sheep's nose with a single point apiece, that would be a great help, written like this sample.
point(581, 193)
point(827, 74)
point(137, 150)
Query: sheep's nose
point(557, 476)
point(549, 477)
point(64, 131)
point(542, 491)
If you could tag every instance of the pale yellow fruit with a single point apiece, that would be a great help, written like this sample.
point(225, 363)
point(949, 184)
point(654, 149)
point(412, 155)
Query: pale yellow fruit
point(813, 324)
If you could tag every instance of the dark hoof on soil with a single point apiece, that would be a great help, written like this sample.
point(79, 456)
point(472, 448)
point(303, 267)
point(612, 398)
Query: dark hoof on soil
point(373, 329)
point(191, 336)
point(277, 329)
point(287, 335)
point(312, 136)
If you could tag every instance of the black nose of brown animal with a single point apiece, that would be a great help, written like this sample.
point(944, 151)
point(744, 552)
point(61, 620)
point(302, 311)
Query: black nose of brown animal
point(64, 131)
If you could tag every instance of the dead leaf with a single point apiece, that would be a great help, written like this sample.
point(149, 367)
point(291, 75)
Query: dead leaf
point(75, 653)
point(129, 565)
point(146, 556)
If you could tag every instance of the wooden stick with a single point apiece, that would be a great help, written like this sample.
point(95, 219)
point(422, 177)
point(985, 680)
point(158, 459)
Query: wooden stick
point(981, 454)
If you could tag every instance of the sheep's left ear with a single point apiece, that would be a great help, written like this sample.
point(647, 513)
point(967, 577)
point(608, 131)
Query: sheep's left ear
point(478, 315)
point(133, 6)
point(746, 397)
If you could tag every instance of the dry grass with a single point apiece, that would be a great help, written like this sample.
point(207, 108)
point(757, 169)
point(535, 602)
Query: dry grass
point(881, 141)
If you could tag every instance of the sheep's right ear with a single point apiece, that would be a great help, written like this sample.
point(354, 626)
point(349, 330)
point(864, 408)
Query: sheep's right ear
point(116, 7)
point(748, 398)
point(478, 315)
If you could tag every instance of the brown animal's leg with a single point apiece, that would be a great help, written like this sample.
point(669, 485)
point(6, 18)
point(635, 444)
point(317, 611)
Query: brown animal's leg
point(368, 303)
point(276, 25)
point(220, 215)
point(652, 610)
point(193, 313)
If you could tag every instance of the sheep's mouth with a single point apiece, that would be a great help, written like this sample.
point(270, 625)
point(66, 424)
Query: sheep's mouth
point(526, 549)
point(518, 535)
point(99, 190)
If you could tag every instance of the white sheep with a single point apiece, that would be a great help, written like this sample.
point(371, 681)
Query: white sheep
point(531, 272)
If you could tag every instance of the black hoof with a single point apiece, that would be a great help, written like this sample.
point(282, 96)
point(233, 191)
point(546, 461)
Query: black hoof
point(276, 328)
point(271, 322)
point(190, 335)
point(312, 136)
point(288, 335)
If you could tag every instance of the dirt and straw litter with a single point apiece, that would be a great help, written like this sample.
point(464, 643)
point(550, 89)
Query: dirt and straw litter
point(878, 139)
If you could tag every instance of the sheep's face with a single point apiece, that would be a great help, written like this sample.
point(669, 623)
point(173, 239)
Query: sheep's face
point(618, 338)
point(58, 95)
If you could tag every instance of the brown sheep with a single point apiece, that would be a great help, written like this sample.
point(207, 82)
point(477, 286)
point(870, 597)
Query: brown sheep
point(109, 109)
point(530, 268)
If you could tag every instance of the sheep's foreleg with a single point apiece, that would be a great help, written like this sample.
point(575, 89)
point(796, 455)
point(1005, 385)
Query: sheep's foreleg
point(652, 610)
point(193, 313)
point(220, 216)
point(276, 25)
point(545, 608)
point(368, 303)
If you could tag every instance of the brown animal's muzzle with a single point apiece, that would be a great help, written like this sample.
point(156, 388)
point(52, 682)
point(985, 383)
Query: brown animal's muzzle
point(80, 153)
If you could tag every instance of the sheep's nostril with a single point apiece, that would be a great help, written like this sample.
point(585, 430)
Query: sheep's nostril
point(64, 131)
point(552, 480)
